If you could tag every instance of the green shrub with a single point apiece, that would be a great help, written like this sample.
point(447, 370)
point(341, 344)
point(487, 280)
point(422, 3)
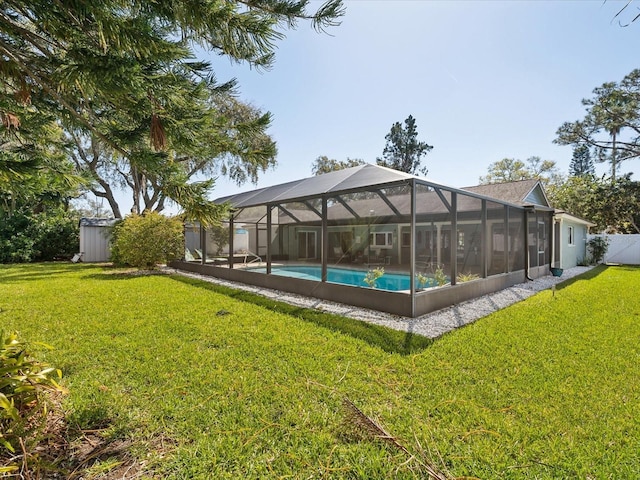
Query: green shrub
point(372, 276)
point(440, 277)
point(57, 234)
point(467, 277)
point(28, 237)
point(598, 247)
point(422, 280)
point(220, 236)
point(22, 378)
point(144, 241)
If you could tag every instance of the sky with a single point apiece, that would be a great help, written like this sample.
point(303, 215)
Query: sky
point(485, 80)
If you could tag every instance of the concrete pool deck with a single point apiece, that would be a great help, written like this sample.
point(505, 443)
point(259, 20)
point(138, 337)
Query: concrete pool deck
point(431, 325)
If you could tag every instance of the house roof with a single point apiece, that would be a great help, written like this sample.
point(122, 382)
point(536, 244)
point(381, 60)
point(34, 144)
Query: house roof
point(523, 192)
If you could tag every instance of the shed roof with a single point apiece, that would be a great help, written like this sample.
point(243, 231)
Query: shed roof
point(97, 222)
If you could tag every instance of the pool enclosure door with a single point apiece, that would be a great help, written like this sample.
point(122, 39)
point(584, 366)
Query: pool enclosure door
point(307, 245)
point(542, 242)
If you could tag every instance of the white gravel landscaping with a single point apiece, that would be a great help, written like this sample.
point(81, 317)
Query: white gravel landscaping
point(430, 325)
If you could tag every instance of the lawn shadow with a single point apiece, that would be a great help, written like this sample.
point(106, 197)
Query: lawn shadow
point(594, 272)
point(387, 339)
point(117, 273)
point(14, 273)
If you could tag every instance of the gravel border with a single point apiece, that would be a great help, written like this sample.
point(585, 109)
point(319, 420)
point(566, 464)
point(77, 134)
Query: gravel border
point(430, 325)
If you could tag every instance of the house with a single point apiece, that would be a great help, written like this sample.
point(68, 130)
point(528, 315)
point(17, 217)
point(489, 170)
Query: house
point(569, 232)
point(570, 239)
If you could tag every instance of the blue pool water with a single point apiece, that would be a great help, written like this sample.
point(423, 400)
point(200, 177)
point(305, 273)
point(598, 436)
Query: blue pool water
point(389, 281)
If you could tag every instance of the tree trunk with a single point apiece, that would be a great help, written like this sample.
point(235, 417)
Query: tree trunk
point(614, 160)
point(108, 194)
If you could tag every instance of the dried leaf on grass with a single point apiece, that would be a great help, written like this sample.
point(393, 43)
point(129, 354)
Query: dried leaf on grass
point(368, 428)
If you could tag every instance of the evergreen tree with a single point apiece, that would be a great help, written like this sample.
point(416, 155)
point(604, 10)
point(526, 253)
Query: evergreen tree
point(581, 162)
point(125, 72)
point(403, 151)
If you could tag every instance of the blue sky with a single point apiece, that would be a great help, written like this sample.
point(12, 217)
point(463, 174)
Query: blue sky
point(484, 80)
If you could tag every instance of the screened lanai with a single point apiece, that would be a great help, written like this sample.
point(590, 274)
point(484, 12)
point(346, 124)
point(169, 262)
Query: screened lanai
point(374, 237)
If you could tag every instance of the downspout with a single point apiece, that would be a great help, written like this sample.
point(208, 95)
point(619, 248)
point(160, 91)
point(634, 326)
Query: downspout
point(557, 241)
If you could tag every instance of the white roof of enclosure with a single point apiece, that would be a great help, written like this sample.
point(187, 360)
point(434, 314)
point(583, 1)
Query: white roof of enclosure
point(362, 176)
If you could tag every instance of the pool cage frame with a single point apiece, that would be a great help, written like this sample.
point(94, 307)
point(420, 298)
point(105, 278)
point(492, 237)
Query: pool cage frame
point(367, 218)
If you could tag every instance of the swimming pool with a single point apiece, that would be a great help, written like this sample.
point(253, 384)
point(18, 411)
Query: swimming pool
point(389, 281)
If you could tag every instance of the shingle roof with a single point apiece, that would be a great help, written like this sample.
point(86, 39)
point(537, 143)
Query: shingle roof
point(512, 192)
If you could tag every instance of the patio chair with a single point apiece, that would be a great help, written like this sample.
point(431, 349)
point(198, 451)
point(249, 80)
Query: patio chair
point(247, 257)
point(338, 255)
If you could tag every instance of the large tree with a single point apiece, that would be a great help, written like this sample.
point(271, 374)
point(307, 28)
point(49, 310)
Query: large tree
point(513, 170)
point(611, 125)
point(403, 151)
point(324, 164)
point(125, 73)
point(230, 140)
point(613, 205)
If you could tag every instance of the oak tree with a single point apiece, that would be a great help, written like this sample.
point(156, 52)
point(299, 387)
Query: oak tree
point(513, 170)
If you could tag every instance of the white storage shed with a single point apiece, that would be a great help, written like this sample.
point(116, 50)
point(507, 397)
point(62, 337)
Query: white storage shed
point(95, 239)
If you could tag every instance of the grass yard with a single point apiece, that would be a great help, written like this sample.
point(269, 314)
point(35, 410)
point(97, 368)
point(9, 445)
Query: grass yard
point(206, 382)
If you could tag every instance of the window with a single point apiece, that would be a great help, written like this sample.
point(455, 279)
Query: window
point(381, 239)
point(571, 236)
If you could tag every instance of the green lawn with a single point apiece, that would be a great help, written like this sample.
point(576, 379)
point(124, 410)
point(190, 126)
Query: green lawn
point(237, 386)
